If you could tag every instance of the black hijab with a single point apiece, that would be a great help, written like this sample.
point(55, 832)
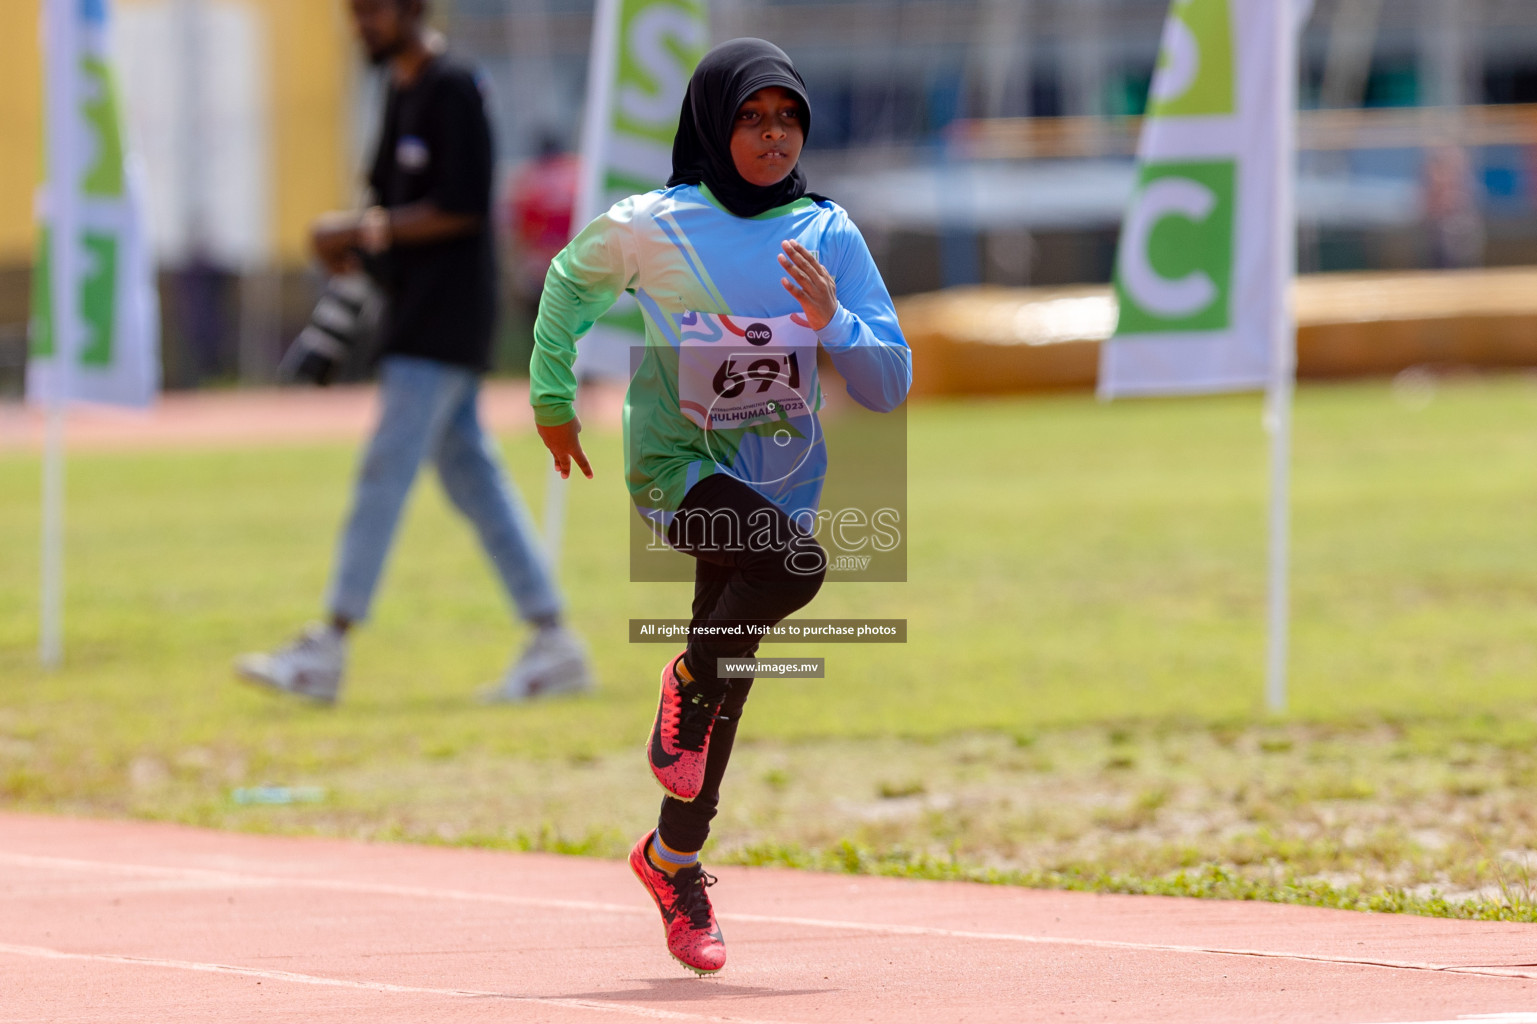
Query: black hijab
point(701, 151)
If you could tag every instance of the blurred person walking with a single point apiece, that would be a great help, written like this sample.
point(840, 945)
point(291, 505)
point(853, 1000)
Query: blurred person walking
point(539, 210)
point(1451, 209)
point(428, 243)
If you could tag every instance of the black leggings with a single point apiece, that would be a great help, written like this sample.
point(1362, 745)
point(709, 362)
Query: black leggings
point(752, 565)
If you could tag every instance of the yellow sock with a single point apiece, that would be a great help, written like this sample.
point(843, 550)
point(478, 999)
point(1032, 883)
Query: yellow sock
point(684, 675)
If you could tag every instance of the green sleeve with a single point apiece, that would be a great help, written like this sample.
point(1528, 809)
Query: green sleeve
point(584, 280)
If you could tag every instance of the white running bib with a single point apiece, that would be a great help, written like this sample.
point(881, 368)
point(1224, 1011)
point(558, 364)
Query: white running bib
point(736, 371)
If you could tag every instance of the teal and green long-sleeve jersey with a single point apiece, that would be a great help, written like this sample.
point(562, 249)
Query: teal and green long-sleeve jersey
point(684, 257)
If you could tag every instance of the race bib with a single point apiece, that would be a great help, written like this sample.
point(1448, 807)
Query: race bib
point(736, 371)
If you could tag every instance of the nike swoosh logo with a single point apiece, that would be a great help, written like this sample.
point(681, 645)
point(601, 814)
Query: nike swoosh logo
point(667, 908)
point(660, 758)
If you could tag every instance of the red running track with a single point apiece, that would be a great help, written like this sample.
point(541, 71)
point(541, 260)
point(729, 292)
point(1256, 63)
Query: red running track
point(126, 922)
point(268, 416)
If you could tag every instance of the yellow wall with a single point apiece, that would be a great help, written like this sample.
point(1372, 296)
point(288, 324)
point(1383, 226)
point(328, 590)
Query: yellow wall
point(311, 49)
point(21, 126)
point(310, 52)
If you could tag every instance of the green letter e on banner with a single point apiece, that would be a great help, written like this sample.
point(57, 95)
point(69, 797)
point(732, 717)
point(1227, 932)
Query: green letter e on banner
point(1195, 62)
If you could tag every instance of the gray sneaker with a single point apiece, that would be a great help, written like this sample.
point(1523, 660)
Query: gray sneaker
point(311, 666)
point(555, 662)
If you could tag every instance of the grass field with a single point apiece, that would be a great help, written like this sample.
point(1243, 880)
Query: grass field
point(1079, 702)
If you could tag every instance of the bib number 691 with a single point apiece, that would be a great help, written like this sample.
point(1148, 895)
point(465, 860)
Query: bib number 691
point(729, 382)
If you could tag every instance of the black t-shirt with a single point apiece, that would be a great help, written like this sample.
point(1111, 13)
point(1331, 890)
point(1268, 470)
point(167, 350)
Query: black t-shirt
point(436, 145)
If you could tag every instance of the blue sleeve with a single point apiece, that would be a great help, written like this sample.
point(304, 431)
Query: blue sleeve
point(863, 338)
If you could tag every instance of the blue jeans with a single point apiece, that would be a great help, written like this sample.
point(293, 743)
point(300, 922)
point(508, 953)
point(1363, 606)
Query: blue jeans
point(428, 410)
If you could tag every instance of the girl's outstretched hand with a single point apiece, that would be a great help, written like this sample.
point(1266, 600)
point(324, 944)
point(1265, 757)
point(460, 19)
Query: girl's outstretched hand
point(563, 444)
point(812, 286)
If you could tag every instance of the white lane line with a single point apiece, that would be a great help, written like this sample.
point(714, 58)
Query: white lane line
point(462, 895)
point(1519, 1017)
point(1148, 947)
point(206, 876)
point(44, 953)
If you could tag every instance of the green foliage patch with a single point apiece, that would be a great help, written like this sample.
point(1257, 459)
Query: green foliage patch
point(1071, 565)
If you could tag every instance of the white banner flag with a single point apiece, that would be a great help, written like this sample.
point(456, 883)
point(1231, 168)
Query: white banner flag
point(95, 330)
point(643, 53)
point(1205, 263)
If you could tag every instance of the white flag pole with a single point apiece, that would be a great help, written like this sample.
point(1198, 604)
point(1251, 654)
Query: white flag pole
point(601, 70)
point(61, 30)
point(1283, 365)
point(51, 632)
point(1278, 399)
point(598, 113)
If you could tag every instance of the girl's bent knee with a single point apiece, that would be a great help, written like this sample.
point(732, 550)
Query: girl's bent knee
point(803, 570)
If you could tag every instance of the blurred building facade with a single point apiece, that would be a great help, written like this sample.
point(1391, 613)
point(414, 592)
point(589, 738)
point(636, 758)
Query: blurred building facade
point(900, 71)
point(894, 80)
point(238, 110)
point(254, 115)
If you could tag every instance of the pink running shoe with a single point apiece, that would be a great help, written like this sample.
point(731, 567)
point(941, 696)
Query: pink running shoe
point(693, 936)
point(680, 736)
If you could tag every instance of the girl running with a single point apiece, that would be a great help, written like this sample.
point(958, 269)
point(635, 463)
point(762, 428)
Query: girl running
point(741, 274)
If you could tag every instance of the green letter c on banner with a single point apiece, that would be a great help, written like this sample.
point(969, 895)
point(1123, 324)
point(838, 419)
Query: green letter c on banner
point(1174, 267)
point(1176, 298)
